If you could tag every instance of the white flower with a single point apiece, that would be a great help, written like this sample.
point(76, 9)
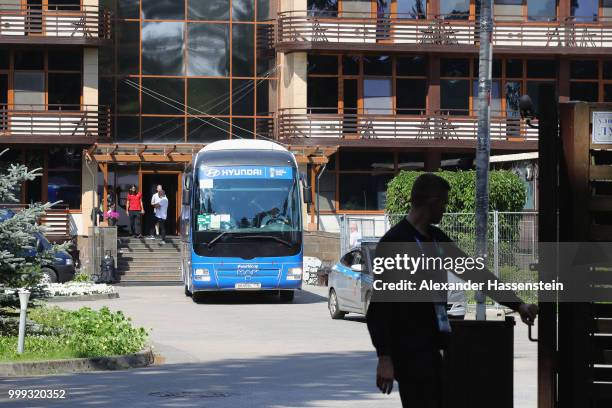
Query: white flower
point(78, 288)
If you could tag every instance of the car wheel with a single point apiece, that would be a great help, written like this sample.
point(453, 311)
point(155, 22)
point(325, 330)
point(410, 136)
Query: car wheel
point(366, 304)
point(287, 295)
point(334, 307)
point(49, 274)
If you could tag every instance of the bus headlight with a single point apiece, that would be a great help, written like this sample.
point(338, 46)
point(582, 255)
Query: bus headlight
point(294, 274)
point(201, 274)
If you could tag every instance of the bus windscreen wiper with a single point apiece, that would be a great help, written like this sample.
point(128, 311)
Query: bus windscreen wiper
point(282, 241)
point(215, 239)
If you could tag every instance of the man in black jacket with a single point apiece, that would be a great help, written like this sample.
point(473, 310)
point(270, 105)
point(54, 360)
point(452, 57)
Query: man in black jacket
point(409, 337)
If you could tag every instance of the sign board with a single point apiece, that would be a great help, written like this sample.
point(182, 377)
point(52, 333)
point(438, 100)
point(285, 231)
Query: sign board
point(602, 127)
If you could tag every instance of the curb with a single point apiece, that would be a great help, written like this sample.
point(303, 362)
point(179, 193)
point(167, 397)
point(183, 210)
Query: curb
point(79, 298)
point(143, 358)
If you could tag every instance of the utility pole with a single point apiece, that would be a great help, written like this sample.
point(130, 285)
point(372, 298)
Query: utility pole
point(483, 146)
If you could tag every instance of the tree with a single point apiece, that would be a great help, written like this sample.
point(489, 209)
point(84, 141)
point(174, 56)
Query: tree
point(17, 269)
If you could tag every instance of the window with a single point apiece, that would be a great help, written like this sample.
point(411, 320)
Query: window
point(381, 65)
point(541, 68)
point(323, 95)
point(584, 69)
point(323, 64)
point(241, 104)
point(377, 96)
point(411, 8)
point(455, 96)
point(162, 48)
point(64, 176)
point(496, 106)
point(321, 7)
point(64, 91)
point(210, 95)
point(208, 10)
point(29, 90)
point(357, 8)
point(242, 49)
point(128, 35)
point(541, 10)
point(455, 9)
point(171, 88)
point(363, 193)
point(366, 160)
point(208, 46)
point(243, 10)
point(584, 10)
point(607, 93)
point(583, 91)
point(412, 66)
point(163, 129)
point(163, 10)
point(327, 191)
point(350, 65)
point(507, 10)
point(454, 67)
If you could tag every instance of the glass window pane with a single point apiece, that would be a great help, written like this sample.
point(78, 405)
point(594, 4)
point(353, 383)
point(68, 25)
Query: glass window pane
point(513, 94)
point(163, 129)
point(410, 161)
point(363, 191)
point(208, 95)
point(327, 191)
point(514, 68)
point(411, 8)
point(243, 103)
point(584, 10)
point(163, 9)
point(584, 69)
point(366, 160)
point(64, 186)
point(508, 10)
point(541, 69)
point(322, 7)
point(607, 93)
point(607, 69)
point(29, 59)
point(411, 96)
point(128, 35)
point(4, 59)
point(412, 66)
point(127, 96)
point(455, 9)
point(209, 10)
point(64, 158)
point(350, 65)
point(496, 69)
point(323, 93)
point(495, 96)
point(583, 91)
point(207, 130)
point(64, 91)
point(323, 64)
point(29, 90)
point(208, 47)
point(377, 96)
point(350, 95)
point(381, 65)
point(541, 10)
point(162, 48)
point(263, 97)
point(453, 67)
point(263, 10)
point(533, 90)
point(127, 129)
point(455, 96)
point(243, 128)
point(128, 9)
point(65, 60)
point(243, 47)
point(106, 96)
point(356, 8)
point(243, 10)
point(169, 90)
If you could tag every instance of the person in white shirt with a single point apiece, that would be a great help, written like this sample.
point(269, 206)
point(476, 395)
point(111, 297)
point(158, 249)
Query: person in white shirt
point(161, 213)
point(355, 235)
point(154, 203)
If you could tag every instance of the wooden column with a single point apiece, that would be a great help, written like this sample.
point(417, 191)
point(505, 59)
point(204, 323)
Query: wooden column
point(563, 83)
point(433, 92)
point(314, 169)
point(433, 8)
point(433, 160)
point(563, 10)
point(104, 168)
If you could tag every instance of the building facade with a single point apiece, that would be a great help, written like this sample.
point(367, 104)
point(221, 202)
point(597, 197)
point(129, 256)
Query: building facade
point(102, 96)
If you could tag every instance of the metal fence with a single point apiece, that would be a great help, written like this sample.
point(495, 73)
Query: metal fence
point(512, 239)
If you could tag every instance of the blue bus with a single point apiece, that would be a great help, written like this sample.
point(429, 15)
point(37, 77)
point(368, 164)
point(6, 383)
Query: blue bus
point(241, 219)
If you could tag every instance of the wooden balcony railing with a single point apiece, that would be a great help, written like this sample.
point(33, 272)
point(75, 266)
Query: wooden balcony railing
point(296, 30)
point(61, 123)
point(57, 221)
point(448, 126)
point(48, 23)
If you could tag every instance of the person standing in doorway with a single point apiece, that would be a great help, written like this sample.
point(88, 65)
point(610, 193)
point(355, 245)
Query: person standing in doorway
point(135, 210)
point(155, 204)
point(161, 213)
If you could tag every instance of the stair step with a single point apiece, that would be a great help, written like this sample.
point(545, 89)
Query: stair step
point(148, 261)
point(176, 275)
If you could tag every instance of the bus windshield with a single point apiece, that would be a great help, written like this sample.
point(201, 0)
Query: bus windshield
point(239, 204)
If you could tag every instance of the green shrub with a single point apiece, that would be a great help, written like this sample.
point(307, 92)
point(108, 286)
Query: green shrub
point(81, 277)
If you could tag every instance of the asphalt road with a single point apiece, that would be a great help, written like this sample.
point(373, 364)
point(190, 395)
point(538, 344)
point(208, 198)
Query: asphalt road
point(243, 351)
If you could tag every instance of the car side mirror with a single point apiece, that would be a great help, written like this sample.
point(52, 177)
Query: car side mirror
point(306, 192)
point(357, 268)
point(187, 190)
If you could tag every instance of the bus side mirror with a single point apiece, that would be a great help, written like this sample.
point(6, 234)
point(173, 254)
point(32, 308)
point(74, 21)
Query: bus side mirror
point(306, 194)
point(187, 190)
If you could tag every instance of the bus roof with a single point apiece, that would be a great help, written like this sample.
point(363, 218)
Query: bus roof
point(243, 144)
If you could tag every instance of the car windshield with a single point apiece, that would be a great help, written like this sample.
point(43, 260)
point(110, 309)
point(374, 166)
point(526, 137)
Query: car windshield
point(44, 244)
point(246, 202)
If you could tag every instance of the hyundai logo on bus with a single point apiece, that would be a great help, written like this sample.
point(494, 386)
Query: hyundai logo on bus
point(280, 172)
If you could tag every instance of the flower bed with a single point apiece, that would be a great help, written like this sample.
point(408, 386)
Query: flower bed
point(78, 289)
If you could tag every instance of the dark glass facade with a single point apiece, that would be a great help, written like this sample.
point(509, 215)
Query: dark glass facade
point(186, 71)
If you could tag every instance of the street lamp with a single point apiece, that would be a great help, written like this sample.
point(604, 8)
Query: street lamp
point(24, 297)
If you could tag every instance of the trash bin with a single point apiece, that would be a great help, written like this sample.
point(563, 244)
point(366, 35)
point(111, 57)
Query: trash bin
point(481, 364)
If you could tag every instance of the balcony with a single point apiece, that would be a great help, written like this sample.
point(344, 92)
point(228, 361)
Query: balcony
point(297, 31)
point(77, 124)
point(54, 24)
point(448, 129)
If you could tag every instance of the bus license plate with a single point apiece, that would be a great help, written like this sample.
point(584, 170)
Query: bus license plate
point(251, 285)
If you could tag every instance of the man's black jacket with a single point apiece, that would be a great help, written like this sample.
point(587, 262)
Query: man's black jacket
point(397, 327)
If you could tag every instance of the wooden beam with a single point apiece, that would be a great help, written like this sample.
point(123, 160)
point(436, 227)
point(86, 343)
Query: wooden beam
point(144, 158)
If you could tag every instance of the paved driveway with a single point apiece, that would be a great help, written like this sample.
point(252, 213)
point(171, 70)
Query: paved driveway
point(243, 351)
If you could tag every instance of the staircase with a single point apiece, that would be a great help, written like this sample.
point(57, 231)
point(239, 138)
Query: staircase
point(144, 261)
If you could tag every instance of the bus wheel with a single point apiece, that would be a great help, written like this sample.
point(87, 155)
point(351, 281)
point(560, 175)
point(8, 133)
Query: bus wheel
point(334, 308)
point(287, 295)
point(187, 292)
point(198, 297)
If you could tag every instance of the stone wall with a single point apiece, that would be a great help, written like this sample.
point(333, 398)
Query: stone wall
point(322, 245)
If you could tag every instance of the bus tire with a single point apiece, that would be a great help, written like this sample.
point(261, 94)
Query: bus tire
point(187, 292)
point(198, 297)
point(334, 307)
point(287, 295)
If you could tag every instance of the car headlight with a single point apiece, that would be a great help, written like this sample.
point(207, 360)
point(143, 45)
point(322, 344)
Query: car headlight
point(69, 261)
point(294, 274)
point(201, 274)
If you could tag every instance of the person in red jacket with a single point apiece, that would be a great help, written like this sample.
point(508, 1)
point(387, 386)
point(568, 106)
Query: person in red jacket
point(135, 210)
